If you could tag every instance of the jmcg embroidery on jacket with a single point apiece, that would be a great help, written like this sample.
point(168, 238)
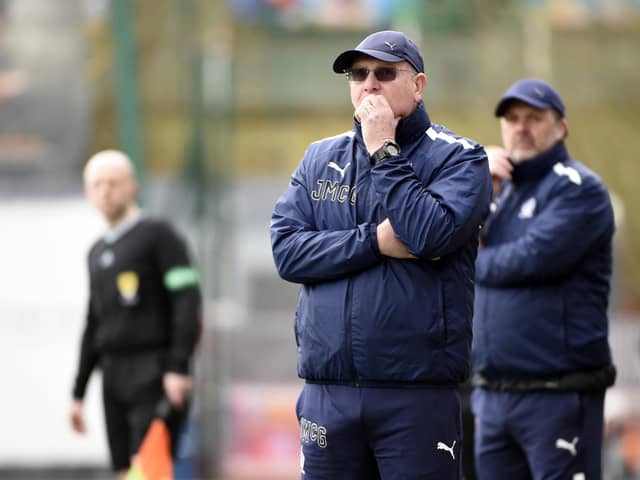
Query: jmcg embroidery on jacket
point(334, 192)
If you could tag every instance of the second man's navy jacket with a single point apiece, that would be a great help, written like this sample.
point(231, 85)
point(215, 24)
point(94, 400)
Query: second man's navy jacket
point(364, 318)
point(542, 277)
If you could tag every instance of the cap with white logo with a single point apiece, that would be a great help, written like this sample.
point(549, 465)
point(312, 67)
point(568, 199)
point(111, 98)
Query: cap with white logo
point(387, 45)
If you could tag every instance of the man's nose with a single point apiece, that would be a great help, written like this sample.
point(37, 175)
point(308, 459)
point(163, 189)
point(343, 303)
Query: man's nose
point(520, 126)
point(371, 82)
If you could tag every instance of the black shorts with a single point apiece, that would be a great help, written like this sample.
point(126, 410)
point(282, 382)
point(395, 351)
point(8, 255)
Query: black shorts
point(132, 390)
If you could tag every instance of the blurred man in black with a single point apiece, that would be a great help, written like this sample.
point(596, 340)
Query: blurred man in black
point(142, 321)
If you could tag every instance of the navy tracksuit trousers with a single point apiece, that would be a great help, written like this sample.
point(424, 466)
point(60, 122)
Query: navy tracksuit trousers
point(364, 433)
point(538, 435)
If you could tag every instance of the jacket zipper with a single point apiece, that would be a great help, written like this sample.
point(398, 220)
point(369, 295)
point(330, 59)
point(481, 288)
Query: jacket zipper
point(349, 338)
point(362, 193)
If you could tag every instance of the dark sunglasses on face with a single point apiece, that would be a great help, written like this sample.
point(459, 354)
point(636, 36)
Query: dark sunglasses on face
point(383, 74)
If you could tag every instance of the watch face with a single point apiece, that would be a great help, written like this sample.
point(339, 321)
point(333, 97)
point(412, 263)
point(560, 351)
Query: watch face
point(388, 150)
point(393, 150)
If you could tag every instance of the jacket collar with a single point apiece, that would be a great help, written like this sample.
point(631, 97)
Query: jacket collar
point(409, 129)
point(538, 167)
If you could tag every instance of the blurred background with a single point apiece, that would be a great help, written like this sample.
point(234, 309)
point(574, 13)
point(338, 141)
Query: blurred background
point(216, 101)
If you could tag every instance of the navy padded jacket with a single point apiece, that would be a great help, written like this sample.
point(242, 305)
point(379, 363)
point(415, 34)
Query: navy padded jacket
point(542, 278)
point(363, 318)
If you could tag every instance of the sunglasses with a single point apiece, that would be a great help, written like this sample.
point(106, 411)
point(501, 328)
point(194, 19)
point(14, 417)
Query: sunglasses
point(383, 74)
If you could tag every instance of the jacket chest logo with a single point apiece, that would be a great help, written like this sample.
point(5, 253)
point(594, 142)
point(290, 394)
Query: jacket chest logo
point(528, 209)
point(327, 190)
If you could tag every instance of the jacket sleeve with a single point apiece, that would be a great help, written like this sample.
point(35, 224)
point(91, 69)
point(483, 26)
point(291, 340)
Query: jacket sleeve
point(181, 280)
point(437, 216)
point(577, 219)
point(88, 356)
point(305, 253)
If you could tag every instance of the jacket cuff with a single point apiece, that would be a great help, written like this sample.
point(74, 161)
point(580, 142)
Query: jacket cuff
point(78, 393)
point(373, 238)
point(178, 364)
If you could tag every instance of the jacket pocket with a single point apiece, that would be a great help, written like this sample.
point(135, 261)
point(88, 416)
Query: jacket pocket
point(320, 331)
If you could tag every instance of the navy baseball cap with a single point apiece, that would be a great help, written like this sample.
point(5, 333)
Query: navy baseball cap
point(388, 46)
point(534, 92)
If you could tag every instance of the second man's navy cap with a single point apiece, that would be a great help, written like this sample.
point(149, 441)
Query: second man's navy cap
point(534, 92)
point(387, 45)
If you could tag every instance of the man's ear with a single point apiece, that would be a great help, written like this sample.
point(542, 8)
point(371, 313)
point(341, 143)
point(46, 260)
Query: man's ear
point(87, 191)
point(420, 82)
point(565, 128)
point(135, 190)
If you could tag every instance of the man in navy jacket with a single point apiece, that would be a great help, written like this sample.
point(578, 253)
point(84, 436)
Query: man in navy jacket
point(540, 348)
point(379, 226)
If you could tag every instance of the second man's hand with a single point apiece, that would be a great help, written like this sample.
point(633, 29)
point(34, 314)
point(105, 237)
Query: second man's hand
point(499, 165)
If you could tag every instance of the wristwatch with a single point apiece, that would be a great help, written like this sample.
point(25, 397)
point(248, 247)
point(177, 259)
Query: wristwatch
point(387, 150)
